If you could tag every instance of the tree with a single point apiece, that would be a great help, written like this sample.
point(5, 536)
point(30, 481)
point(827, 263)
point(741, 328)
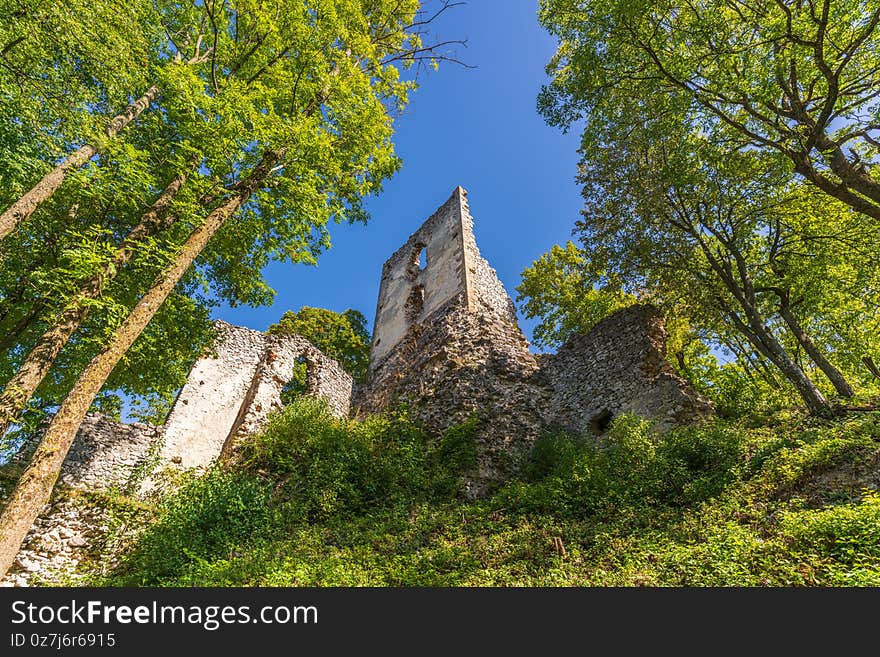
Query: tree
point(31, 372)
point(341, 336)
point(568, 296)
point(320, 143)
point(236, 90)
point(696, 226)
point(801, 79)
point(66, 70)
point(46, 186)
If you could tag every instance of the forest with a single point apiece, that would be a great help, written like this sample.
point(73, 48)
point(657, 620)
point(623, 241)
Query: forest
point(156, 156)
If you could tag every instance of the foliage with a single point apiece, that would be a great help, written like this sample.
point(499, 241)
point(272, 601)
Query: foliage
point(783, 77)
point(204, 520)
point(571, 476)
point(306, 468)
point(569, 297)
point(323, 80)
point(781, 501)
point(694, 118)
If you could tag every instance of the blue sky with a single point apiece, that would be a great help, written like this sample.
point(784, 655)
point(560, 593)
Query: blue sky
point(472, 127)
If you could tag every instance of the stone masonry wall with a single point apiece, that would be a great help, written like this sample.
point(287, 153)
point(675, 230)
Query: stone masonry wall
point(211, 399)
point(232, 391)
point(407, 292)
point(228, 394)
point(468, 356)
point(104, 455)
point(324, 378)
point(465, 356)
point(457, 363)
point(620, 366)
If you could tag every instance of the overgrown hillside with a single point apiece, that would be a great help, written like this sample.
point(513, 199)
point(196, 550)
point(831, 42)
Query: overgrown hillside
point(785, 500)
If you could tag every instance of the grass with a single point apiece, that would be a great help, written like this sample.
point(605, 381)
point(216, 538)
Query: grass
point(314, 501)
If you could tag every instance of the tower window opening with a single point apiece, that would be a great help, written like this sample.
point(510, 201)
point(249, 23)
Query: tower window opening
point(418, 261)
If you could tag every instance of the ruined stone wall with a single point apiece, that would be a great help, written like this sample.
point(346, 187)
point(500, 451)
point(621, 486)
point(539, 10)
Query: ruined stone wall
point(407, 292)
point(457, 363)
point(231, 392)
point(104, 455)
point(324, 378)
point(228, 394)
point(469, 356)
point(462, 357)
point(211, 399)
point(620, 366)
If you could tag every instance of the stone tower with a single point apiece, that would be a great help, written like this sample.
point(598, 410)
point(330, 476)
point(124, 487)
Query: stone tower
point(437, 268)
point(446, 342)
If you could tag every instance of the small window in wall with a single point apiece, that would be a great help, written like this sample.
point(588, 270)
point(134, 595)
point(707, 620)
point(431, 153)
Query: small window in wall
point(299, 381)
point(600, 422)
point(415, 303)
point(417, 262)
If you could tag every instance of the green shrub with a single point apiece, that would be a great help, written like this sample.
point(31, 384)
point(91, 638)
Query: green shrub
point(632, 466)
point(202, 521)
point(454, 455)
point(698, 462)
point(322, 502)
point(848, 533)
point(326, 466)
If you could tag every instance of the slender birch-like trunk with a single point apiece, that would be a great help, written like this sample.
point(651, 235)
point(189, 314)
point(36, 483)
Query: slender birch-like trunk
point(34, 488)
point(25, 206)
point(21, 387)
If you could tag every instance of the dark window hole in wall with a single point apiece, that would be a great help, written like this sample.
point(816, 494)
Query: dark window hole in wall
point(600, 422)
point(418, 261)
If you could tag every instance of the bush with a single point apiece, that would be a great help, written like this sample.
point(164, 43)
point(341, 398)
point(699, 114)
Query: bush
point(327, 466)
point(327, 502)
point(632, 466)
point(306, 467)
point(203, 520)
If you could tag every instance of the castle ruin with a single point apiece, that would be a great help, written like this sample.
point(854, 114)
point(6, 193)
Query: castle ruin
point(446, 342)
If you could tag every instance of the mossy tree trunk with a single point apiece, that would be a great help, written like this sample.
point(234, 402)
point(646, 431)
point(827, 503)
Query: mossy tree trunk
point(21, 387)
point(34, 489)
point(25, 206)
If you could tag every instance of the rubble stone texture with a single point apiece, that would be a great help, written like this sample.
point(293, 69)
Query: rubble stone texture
point(619, 367)
point(446, 342)
point(231, 392)
point(105, 455)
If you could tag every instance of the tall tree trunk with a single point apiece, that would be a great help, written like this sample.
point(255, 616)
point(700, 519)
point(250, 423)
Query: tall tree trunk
point(43, 190)
point(741, 288)
point(841, 385)
point(40, 359)
point(767, 345)
point(872, 366)
point(34, 488)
